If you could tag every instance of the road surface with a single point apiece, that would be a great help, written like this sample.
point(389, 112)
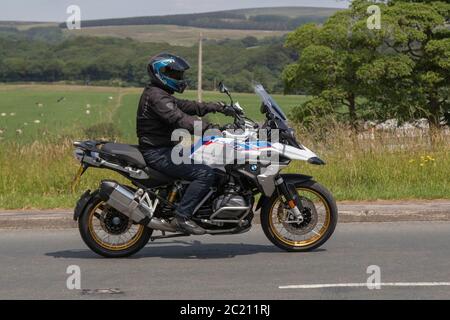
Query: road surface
point(33, 265)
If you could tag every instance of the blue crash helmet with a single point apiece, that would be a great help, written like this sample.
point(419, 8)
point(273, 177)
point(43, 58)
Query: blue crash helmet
point(167, 71)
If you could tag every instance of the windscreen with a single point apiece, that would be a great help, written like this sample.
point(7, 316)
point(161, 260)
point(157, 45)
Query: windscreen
point(269, 102)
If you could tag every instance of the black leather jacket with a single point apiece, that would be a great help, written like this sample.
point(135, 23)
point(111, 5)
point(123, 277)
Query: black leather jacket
point(160, 113)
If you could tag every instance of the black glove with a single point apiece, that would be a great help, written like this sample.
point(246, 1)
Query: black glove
point(221, 104)
point(229, 111)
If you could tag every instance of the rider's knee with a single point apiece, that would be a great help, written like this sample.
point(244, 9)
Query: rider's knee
point(207, 175)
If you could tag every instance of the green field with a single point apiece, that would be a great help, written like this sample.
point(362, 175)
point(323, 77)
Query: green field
point(37, 113)
point(171, 34)
point(37, 166)
point(30, 113)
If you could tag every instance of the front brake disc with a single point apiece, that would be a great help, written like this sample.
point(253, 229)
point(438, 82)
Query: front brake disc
point(310, 218)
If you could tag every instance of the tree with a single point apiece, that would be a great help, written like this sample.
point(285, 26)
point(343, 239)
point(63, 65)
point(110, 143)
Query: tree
point(400, 71)
point(124, 61)
point(330, 58)
point(418, 36)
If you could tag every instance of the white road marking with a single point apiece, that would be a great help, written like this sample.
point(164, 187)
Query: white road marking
point(355, 285)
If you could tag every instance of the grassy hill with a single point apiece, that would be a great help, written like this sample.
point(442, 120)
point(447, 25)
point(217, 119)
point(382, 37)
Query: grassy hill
point(278, 18)
point(183, 29)
point(26, 25)
point(291, 12)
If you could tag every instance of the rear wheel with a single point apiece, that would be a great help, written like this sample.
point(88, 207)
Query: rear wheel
point(320, 217)
point(110, 233)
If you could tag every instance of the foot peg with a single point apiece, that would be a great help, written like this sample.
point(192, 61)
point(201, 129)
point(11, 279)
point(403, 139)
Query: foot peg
point(188, 226)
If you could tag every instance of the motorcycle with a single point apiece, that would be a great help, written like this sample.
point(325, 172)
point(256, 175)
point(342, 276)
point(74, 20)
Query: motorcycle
point(297, 214)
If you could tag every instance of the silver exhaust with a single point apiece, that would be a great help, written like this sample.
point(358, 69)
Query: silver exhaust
point(129, 204)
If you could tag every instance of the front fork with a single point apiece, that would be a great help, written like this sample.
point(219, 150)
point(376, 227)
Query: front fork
point(292, 199)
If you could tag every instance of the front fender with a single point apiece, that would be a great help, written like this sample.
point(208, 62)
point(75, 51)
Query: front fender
point(82, 203)
point(289, 178)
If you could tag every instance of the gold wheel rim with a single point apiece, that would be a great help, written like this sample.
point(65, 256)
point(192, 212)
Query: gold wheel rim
point(307, 242)
point(110, 246)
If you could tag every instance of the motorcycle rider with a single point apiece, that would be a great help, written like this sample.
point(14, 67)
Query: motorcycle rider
point(160, 113)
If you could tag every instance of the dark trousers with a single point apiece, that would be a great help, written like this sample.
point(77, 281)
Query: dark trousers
point(202, 177)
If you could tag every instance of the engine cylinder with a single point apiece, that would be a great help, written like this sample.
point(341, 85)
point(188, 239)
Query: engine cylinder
point(230, 201)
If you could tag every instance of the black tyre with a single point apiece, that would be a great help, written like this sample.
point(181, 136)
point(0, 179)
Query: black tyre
point(109, 233)
point(320, 219)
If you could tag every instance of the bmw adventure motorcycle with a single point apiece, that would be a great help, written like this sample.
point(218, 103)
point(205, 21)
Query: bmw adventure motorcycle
point(296, 213)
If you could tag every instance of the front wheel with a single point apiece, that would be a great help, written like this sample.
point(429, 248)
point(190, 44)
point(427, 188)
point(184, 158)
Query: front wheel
point(110, 233)
point(320, 217)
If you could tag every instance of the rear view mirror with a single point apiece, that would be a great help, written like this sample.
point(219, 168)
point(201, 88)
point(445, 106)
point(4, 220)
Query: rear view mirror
point(223, 88)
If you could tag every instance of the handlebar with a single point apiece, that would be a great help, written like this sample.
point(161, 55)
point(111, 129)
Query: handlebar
point(240, 120)
point(238, 114)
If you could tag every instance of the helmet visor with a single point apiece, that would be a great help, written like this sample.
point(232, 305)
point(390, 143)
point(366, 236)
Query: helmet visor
point(179, 64)
point(172, 73)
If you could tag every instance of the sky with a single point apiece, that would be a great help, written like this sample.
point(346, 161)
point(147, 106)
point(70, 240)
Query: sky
point(55, 10)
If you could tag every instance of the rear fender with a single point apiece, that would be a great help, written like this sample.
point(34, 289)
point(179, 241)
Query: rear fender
point(82, 203)
point(289, 179)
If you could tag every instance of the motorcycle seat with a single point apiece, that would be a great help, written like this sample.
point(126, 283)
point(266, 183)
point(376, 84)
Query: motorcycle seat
point(127, 153)
point(132, 156)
